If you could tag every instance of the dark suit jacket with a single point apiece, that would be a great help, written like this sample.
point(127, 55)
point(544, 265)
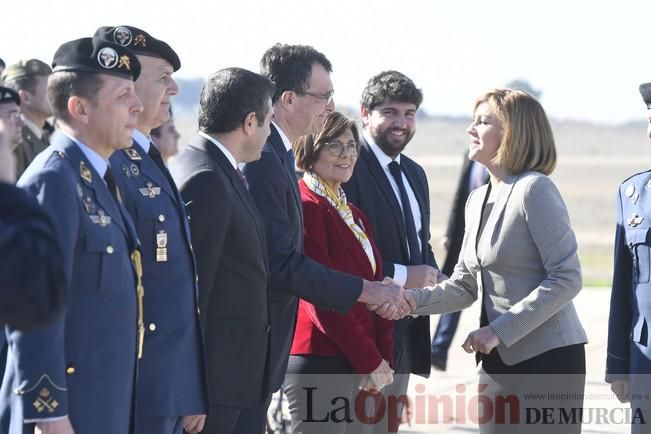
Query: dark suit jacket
point(230, 247)
point(272, 183)
point(456, 219)
point(84, 365)
point(33, 283)
point(370, 190)
point(360, 336)
point(168, 385)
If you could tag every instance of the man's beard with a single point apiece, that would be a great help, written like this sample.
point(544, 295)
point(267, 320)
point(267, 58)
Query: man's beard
point(392, 146)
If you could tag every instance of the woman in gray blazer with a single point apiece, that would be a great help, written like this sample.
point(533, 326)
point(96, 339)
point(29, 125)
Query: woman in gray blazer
point(520, 252)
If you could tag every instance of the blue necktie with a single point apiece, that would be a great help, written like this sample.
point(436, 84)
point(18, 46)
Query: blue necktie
point(415, 257)
point(292, 159)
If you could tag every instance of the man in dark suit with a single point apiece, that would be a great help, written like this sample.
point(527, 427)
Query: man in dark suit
point(392, 190)
point(473, 175)
point(78, 374)
point(302, 98)
point(29, 79)
point(230, 244)
point(170, 390)
point(33, 290)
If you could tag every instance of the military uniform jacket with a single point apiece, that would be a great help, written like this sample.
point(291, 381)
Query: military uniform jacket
point(630, 303)
point(171, 372)
point(29, 147)
point(84, 365)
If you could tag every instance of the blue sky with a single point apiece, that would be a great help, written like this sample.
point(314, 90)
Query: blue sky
point(587, 57)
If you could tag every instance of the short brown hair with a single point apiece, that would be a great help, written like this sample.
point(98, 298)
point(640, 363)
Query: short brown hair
point(527, 140)
point(65, 84)
point(307, 148)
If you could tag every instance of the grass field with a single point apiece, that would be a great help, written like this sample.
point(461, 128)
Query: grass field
point(593, 160)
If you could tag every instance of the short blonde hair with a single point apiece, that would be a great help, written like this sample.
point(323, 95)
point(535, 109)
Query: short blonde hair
point(527, 139)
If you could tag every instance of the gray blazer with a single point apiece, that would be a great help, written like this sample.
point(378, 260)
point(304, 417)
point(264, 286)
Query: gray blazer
point(525, 261)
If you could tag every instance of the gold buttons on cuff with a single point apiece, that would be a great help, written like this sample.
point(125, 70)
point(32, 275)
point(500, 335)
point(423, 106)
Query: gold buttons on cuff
point(161, 218)
point(110, 249)
point(152, 327)
point(71, 370)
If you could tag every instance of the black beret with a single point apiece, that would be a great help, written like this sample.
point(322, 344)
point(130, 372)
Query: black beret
point(97, 56)
point(140, 42)
point(8, 95)
point(645, 91)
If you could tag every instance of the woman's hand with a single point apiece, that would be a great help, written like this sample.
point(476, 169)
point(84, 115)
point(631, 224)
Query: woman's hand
point(382, 376)
point(482, 340)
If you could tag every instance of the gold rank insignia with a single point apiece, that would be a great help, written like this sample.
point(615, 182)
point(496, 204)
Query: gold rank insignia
point(140, 40)
point(45, 401)
point(161, 246)
point(133, 154)
point(634, 220)
point(101, 218)
point(150, 190)
point(85, 173)
point(125, 62)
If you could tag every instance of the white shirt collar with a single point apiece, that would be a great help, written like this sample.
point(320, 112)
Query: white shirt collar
point(99, 164)
point(283, 136)
point(383, 158)
point(141, 139)
point(221, 147)
point(38, 132)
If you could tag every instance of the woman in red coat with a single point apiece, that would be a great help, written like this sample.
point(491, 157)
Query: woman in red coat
point(333, 356)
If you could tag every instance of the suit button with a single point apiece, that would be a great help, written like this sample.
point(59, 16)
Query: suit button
point(152, 327)
point(110, 249)
point(268, 329)
point(198, 311)
point(161, 218)
point(189, 218)
point(70, 370)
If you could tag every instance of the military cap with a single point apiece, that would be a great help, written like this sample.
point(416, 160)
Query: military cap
point(26, 68)
point(96, 56)
point(8, 95)
point(140, 42)
point(645, 91)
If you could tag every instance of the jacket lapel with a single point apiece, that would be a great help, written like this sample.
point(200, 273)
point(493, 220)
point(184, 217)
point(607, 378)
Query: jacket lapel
point(91, 179)
point(149, 169)
point(380, 177)
point(279, 147)
point(504, 189)
point(419, 192)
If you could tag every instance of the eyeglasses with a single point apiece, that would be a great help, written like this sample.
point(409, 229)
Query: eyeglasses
point(336, 148)
point(327, 97)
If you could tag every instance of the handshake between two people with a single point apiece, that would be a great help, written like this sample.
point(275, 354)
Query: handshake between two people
point(392, 301)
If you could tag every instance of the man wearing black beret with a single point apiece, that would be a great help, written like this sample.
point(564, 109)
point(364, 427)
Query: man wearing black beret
point(171, 387)
point(77, 376)
point(10, 115)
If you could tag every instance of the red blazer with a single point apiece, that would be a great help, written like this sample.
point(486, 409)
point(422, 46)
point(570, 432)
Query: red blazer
point(360, 336)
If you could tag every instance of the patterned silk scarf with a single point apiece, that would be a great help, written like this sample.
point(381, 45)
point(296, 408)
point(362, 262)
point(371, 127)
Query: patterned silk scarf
point(339, 202)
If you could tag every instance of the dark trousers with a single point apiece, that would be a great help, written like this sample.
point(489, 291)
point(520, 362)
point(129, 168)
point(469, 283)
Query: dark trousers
point(158, 425)
point(541, 395)
point(445, 330)
point(324, 397)
point(237, 420)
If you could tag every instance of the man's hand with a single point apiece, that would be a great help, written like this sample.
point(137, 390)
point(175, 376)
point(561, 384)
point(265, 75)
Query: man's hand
point(482, 340)
point(621, 389)
point(60, 426)
point(386, 293)
point(420, 276)
point(193, 423)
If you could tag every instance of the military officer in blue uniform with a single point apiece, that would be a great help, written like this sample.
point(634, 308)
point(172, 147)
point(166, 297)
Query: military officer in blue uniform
point(628, 364)
point(78, 374)
point(170, 391)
